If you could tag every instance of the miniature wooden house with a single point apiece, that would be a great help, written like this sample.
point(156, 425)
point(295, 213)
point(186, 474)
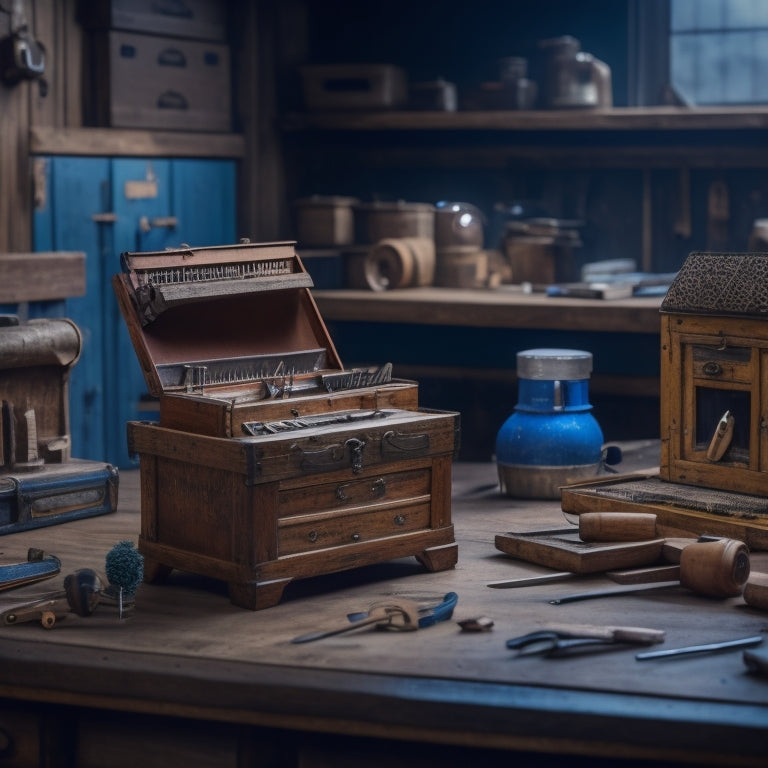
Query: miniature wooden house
point(714, 373)
point(713, 468)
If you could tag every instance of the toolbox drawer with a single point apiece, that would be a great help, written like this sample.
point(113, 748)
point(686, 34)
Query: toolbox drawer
point(332, 529)
point(729, 364)
point(360, 491)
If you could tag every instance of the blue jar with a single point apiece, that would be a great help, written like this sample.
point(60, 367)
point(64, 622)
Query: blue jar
point(552, 439)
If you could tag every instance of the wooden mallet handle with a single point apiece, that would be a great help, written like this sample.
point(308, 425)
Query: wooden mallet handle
point(617, 526)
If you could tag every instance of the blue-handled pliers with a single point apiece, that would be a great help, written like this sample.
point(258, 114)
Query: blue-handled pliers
point(429, 615)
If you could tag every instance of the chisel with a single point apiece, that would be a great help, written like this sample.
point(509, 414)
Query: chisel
point(744, 642)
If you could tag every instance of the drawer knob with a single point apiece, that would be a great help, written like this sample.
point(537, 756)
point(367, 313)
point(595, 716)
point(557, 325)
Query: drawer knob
point(379, 488)
point(399, 519)
point(712, 368)
point(355, 537)
point(312, 536)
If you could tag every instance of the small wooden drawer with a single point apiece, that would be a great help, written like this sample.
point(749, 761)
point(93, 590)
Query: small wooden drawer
point(729, 364)
point(306, 533)
point(357, 492)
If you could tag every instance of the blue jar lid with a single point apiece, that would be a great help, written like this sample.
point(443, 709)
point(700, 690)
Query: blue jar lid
point(554, 364)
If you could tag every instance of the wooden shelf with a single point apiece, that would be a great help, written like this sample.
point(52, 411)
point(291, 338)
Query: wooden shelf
point(129, 143)
point(500, 308)
point(615, 119)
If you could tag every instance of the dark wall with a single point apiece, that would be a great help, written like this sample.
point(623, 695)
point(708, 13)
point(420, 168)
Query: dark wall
point(463, 41)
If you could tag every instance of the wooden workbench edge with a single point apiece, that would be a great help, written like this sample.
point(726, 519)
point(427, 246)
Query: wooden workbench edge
point(501, 716)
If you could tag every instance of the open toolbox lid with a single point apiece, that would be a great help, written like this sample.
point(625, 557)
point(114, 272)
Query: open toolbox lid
point(224, 316)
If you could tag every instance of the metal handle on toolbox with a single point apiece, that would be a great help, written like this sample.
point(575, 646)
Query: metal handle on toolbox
point(396, 443)
point(334, 456)
point(376, 490)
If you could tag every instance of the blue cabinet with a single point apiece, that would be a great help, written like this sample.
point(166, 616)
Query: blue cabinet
point(105, 206)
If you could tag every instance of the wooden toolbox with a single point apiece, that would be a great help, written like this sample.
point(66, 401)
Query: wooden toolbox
point(40, 483)
point(270, 461)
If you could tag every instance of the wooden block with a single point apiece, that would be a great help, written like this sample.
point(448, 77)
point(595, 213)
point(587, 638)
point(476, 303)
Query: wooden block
point(756, 591)
point(562, 549)
point(64, 276)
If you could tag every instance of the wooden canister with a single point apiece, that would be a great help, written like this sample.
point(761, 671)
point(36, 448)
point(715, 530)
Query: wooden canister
point(461, 267)
point(400, 263)
point(381, 220)
point(715, 568)
point(323, 221)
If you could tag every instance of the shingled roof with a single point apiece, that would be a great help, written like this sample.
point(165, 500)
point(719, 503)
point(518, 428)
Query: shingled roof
point(720, 284)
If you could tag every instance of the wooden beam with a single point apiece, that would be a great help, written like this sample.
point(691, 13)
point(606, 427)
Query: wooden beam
point(41, 276)
point(615, 119)
point(96, 142)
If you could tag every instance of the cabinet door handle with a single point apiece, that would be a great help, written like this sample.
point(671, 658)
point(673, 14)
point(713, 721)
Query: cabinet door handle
point(160, 222)
point(104, 218)
point(711, 368)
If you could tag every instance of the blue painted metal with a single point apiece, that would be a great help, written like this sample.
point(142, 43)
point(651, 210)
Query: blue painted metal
point(207, 186)
point(552, 431)
point(76, 191)
point(552, 424)
point(558, 438)
point(107, 385)
point(88, 490)
point(131, 401)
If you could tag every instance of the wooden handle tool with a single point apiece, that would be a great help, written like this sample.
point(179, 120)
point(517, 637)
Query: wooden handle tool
point(47, 612)
point(718, 568)
point(619, 634)
point(617, 526)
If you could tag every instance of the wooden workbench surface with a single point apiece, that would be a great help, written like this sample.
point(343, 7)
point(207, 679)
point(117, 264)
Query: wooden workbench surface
point(505, 307)
point(185, 650)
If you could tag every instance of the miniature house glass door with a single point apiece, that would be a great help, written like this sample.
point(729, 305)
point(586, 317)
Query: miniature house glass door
point(721, 400)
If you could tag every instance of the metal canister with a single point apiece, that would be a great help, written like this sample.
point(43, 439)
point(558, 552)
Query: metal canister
point(552, 438)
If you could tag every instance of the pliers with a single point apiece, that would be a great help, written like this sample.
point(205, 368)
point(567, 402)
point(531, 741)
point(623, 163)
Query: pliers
point(429, 615)
point(398, 614)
